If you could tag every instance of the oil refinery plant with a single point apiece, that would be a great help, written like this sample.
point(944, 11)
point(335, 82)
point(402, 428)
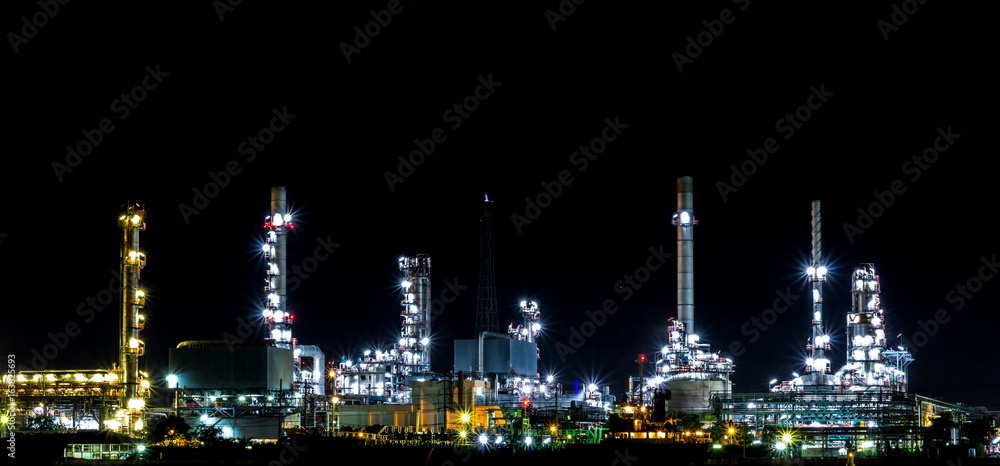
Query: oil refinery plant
point(263, 388)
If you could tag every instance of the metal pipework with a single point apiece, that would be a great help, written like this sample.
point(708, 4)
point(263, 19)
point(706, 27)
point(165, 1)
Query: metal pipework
point(685, 222)
point(131, 222)
point(277, 225)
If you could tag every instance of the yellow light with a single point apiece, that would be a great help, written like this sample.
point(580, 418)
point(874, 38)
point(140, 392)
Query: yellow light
point(462, 434)
point(786, 437)
point(732, 431)
point(79, 377)
point(465, 417)
point(145, 384)
point(553, 428)
point(97, 378)
point(139, 294)
point(37, 377)
point(4, 419)
point(137, 219)
point(136, 403)
point(120, 413)
point(133, 343)
point(20, 378)
point(112, 424)
point(139, 425)
point(333, 373)
point(336, 400)
point(111, 377)
point(50, 377)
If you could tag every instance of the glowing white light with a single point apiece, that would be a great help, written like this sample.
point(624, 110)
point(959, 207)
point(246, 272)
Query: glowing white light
point(693, 338)
point(286, 335)
point(172, 381)
point(675, 335)
point(751, 406)
point(136, 403)
point(809, 361)
point(859, 285)
point(549, 379)
point(267, 248)
point(817, 316)
point(815, 296)
point(267, 313)
point(536, 327)
point(780, 445)
point(685, 218)
point(524, 304)
point(873, 354)
point(144, 384)
point(592, 387)
point(499, 439)
point(810, 271)
point(406, 284)
point(484, 439)
point(276, 334)
point(277, 220)
point(138, 426)
point(425, 341)
point(527, 440)
point(867, 444)
point(821, 271)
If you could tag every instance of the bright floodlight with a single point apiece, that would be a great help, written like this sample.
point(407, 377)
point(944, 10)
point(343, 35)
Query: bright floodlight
point(536, 326)
point(996, 441)
point(425, 341)
point(484, 439)
point(140, 447)
point(773, 381)
point(592, 387)
point(810, 271)
point(172, 381)
point(685, 218)
point(786, 437)
point(795, 374)
point(524, 304)
point(462, 434)
point(406, 284)
point(549, 379)
point(821, 271)
point(277, 220)
point(779, 446)
point(499, 439)
point(527, 440)
point(465, 417)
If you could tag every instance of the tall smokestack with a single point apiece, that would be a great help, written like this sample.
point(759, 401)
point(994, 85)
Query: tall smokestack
point(275, 312)
point(685, 222)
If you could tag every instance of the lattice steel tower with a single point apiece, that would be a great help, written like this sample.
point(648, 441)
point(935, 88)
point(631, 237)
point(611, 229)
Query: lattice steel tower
point(486, 309)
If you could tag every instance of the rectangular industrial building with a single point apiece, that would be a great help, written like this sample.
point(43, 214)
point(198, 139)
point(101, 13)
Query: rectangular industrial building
point(231, 365)
point(500, 356)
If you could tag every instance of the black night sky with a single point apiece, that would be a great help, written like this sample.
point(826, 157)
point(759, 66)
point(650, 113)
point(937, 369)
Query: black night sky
point(219, 83)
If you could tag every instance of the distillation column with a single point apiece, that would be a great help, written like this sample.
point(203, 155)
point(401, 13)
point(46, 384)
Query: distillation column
point(275, 310)
point(817, 364)
point(414, 345)
point(134, 389)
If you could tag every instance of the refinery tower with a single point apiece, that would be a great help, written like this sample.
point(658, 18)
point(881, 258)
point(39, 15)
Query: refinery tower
point(685, 365)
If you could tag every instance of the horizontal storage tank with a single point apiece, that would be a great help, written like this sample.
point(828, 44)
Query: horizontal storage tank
point(694, 396)
point(227, 364)
point(500, 356)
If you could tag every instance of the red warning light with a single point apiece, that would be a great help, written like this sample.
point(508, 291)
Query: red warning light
point(642, 358)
